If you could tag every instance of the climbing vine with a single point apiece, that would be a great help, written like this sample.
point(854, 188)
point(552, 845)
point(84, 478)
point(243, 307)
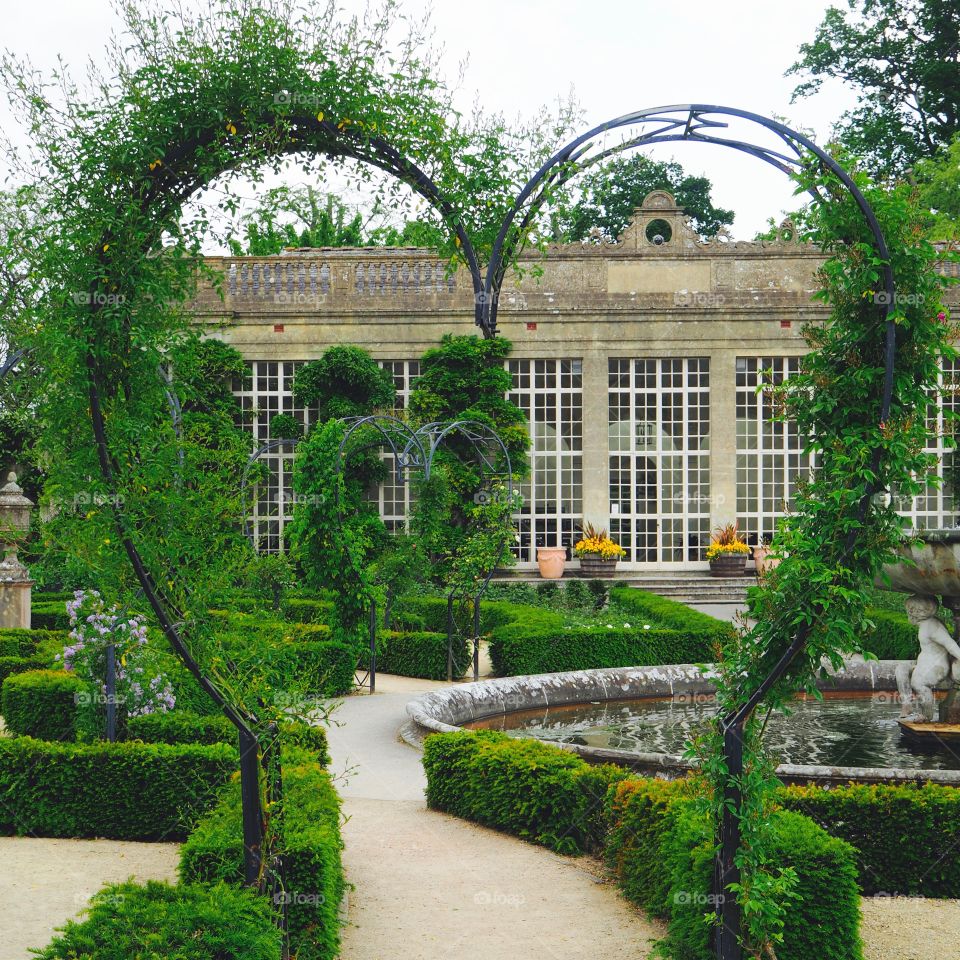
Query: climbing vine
point(840, 533)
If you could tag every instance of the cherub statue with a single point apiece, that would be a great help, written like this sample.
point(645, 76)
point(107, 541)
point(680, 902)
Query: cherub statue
point(939, 658)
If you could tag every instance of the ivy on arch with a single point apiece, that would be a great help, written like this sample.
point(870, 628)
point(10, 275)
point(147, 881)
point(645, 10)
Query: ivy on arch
point(247, 86)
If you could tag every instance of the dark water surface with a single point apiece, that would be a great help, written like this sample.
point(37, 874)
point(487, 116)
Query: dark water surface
point(838, 731)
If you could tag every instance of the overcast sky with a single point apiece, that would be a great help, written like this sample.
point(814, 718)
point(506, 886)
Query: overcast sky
point(618, 55)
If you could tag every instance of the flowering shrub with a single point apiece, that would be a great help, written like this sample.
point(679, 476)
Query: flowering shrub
point(597, 543)
point(93, 629)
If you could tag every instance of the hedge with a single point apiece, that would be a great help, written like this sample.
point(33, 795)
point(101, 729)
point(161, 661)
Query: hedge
point(13, 665)
point(659, 845)
point(187, 922)
point(522, 786)
point(893, 636)
point(901, 834)
point(49, 615)
point(312, 848)
point(17, 642)
point(418, 654)
point(120, 791)
point(660, 849)
point(181, 726)
point(518, 650)
point(42, 704)
point(669, 613)
point(528, 639)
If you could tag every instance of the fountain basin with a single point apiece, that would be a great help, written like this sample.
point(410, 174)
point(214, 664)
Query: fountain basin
point(449, 710)
point(933, 566)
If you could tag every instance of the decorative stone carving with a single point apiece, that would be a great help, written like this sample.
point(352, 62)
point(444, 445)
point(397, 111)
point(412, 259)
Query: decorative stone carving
point(939, 661)
point(15, 582)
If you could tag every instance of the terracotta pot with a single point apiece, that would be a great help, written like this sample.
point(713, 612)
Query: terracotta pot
point(728, 565)
point(763, 561)
point(551, 561)
point(598, 567)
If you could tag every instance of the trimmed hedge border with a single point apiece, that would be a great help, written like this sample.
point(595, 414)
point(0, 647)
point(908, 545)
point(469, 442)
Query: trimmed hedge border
point(528, 640)
point(893, 637)
point(410, 653)
point(181, 726)
point(893, 829)
point(42, 704)
point(10, 666)
point(187, 922)
point(312, 853)
point(659, 847)
point(120, 791)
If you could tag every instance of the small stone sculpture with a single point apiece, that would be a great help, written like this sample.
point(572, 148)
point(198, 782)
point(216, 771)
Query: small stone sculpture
point(939, 659)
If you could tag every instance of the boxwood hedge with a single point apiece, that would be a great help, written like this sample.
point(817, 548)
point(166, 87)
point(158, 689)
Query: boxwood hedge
point(42, 703)
point(312, 848)
point(121, 791)
point(187, 922)
point(902, 835)
point(659, 846)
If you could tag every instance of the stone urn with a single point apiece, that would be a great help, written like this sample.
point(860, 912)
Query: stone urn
point(551, 561)
point(595, 567)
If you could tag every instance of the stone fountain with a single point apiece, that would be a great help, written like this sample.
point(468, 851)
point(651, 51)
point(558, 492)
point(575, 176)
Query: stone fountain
point(930, 573)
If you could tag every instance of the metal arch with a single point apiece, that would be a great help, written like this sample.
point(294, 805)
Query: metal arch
point(678, 122)
point(698, 126)
point(254, 457)
point(475, 431)
point(411, 457)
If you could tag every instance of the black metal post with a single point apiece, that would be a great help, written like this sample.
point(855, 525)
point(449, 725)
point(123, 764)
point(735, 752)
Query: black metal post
point(450, 638)
point(111, 685)
point(252, 810)
point(373, 645)
point(726, 870)
point(275, 878)
point(476, 639)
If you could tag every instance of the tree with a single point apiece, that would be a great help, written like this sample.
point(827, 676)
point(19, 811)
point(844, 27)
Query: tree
point(902, 57)
point(345, 382)
point(609, 194)
point(463, 379)
point(938, 185)
point(302, 217)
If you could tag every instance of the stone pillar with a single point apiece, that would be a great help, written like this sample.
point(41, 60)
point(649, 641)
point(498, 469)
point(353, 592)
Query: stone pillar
point(723, 437)
point(15, 582)
point(596, 457)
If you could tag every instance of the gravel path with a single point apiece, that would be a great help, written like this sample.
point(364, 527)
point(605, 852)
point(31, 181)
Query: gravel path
point(432, 887)
point(43, 883)
point(910, 928)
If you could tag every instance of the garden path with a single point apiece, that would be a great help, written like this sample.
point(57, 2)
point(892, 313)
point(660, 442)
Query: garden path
point(428, 886)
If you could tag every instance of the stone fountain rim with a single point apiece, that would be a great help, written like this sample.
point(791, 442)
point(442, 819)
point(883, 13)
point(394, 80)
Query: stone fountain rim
point(447, 710)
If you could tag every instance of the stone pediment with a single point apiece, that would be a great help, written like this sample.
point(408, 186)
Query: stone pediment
point(658, 226)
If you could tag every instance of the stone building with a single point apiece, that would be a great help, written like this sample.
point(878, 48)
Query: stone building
point(636, 363)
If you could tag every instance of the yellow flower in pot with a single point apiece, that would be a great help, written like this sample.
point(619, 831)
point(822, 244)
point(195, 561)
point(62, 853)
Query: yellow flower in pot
point(727, 553)
point(597, 553)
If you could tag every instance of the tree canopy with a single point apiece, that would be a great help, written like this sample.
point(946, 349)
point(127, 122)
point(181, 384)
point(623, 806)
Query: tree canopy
point(608, 195)
point(902, 57)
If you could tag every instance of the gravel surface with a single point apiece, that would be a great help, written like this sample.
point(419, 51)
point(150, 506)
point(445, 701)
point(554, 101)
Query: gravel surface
point(910, 928)
point(43, 883)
